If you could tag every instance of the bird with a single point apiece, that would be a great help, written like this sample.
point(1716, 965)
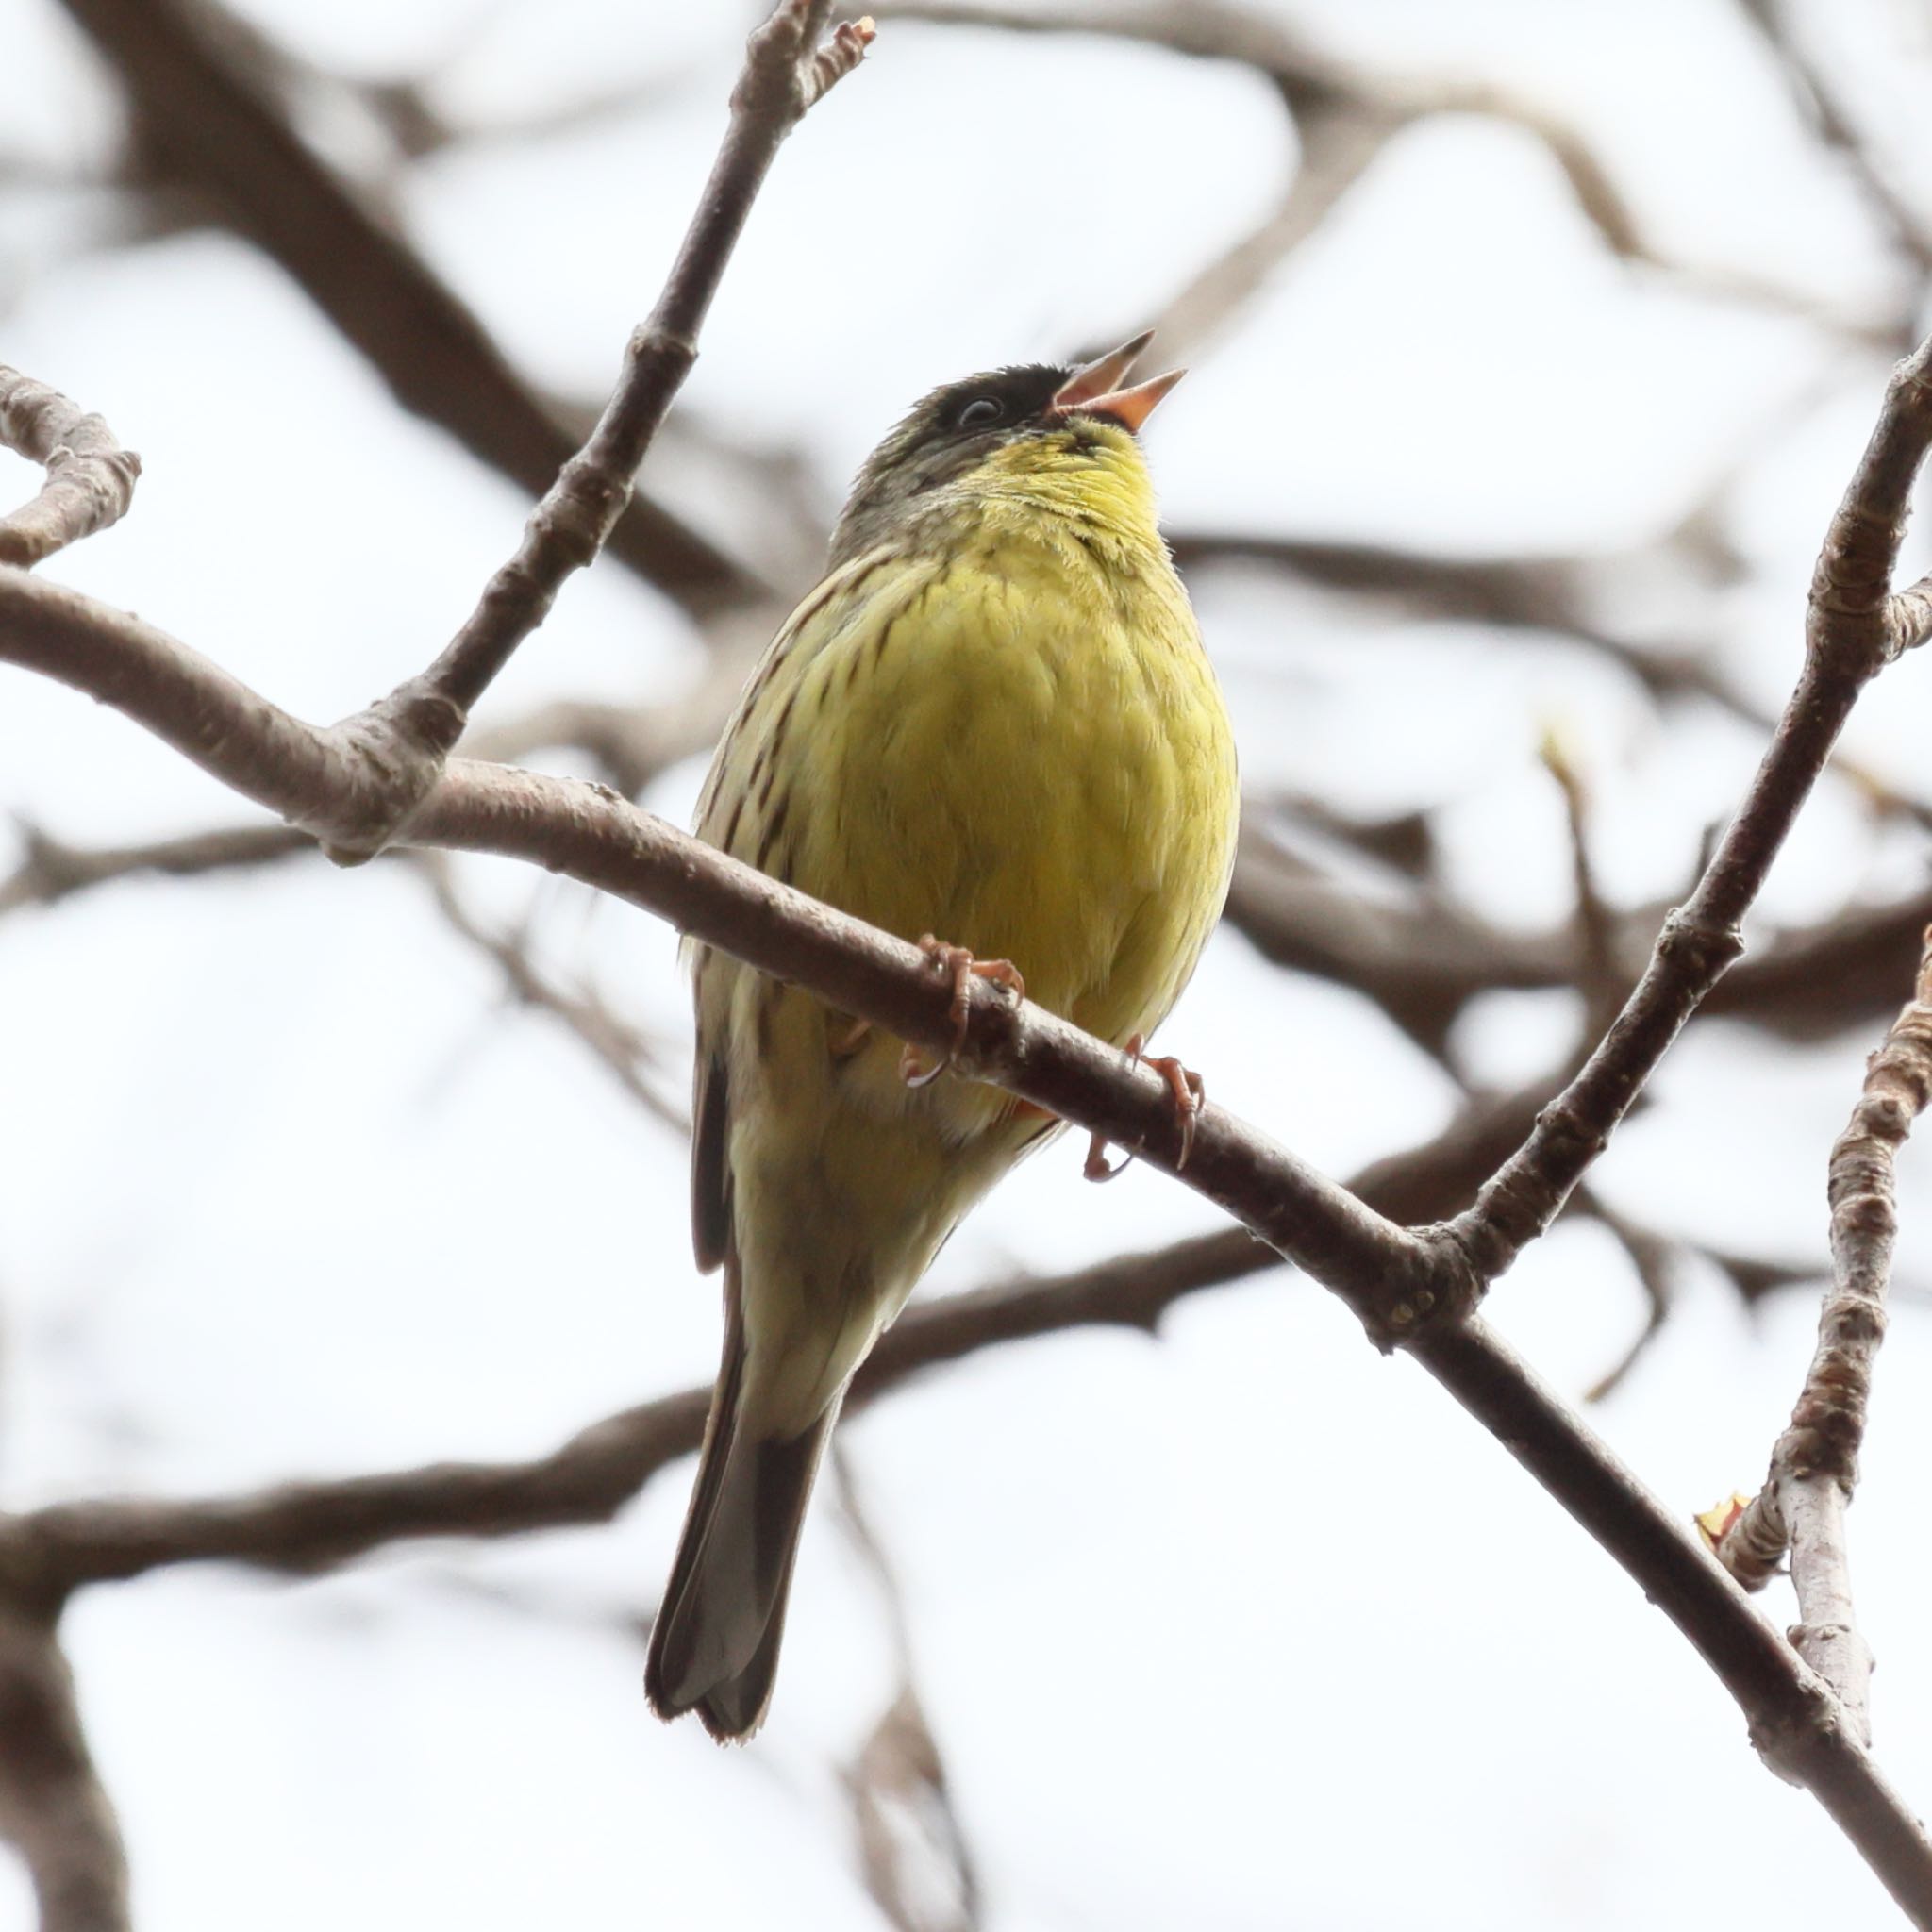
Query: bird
point(993, 721)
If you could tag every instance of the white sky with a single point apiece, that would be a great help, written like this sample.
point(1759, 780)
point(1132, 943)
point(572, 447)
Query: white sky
point(1244, 1628)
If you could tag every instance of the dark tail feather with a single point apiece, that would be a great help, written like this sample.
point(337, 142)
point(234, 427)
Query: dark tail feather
point(714, 1646)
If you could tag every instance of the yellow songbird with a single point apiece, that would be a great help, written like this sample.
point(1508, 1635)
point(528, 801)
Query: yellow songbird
point(992, 720)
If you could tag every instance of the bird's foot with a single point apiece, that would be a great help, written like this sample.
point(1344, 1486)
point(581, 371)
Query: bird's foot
point(1186, 1090)
point(964, 968)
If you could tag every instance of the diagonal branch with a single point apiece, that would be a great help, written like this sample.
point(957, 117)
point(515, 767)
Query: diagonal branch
point(1352, 114)
point(1392, 1276)
point(204, 91)
point(785, 71)
point(403, 740)
point(619, 1046)
point(1855, 627)
point(1402, 1282)
point(304, 1528)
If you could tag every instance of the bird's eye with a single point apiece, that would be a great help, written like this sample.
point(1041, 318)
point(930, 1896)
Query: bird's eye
point(982, 413)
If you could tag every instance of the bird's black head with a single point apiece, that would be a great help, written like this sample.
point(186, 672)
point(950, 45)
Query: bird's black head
point(954, 431)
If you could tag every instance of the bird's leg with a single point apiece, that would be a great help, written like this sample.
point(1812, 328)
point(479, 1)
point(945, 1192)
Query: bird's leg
point(964, 970)
point(1186, 1090)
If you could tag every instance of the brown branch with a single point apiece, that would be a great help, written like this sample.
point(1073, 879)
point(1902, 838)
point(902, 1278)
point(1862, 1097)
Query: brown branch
point(401, 740)
point(614, 1043)
point(1855, 627)
point(1650, 1256)
point(307, 1527)
point(1401, 1282)
point(1351, 114)
point(1420, 958)
point(53, 1809)
point(1816, 97)
point(1814, 1467)
point(1204, 29)
point(785, 71)
point(1598, 979)
point(304, 1528)
point(207, 111)
point(913, 1847)
point(587, 831)
point(1914, 604)
point(51, 869)
point(1337, 143)
point(89, 476)
point(1392, 1277)
point(1537, 594)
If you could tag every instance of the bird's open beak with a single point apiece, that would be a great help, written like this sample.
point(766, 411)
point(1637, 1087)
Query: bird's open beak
point(1094, 391)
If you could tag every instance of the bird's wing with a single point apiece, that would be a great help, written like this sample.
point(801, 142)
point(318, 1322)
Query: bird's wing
point(868, 590)
point(710, 1172)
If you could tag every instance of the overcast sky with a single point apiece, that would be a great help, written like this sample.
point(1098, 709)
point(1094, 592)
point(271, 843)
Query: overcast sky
point(1242, 1627)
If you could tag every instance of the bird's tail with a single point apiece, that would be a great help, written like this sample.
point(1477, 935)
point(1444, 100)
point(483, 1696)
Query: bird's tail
point(714, 1645)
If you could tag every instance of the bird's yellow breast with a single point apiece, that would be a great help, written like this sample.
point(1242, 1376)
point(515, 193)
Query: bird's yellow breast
point(1006, 733)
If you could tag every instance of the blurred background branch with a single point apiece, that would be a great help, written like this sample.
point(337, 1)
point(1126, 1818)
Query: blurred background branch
point(1378, 904)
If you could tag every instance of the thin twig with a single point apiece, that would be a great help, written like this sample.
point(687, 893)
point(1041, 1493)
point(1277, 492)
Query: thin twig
point(1855, 627)
point(912, 1846)
point(1598, 979)
point(1814, 1467)
point(1650, 1256)
point(51, 868)
point(1816, 97)
point(618, 1046)
point(785, 71)
point(89, 476)
point(208, 103)
point(304, 1528)
point(1338, 143)
point(403, 740)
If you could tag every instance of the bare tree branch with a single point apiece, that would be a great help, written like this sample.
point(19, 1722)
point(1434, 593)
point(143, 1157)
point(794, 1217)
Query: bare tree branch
point(89, 476)
point(785, 71)
point(1817, 98)
point(1422, 959)
point(54, 1808)
point(1854, 628)
point(1404, 1283)
point(208, 111)
point(1395, 1278)
point(51, 869)
point(1650, 1254)
point(1338, 143)
point(1814, 1468)
point(617, 1045)
point(913, 1849)
point(403, 739)
point(912, 1846)
point(592, 834)
point(1347, 117)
